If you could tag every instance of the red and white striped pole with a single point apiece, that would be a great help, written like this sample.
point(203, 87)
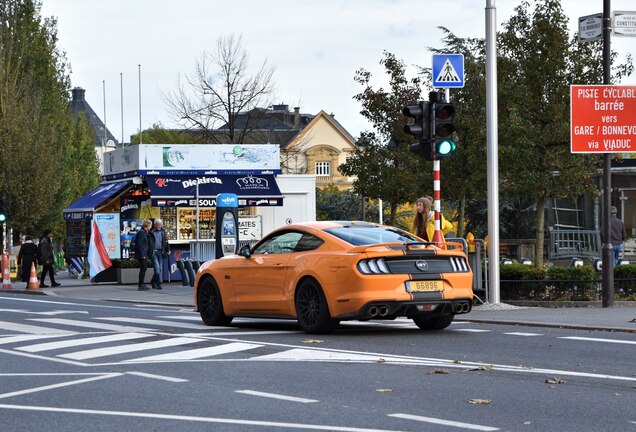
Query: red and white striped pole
point(437, 201)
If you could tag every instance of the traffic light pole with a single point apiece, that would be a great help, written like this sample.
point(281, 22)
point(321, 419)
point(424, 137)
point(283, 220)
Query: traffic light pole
point(437, 200)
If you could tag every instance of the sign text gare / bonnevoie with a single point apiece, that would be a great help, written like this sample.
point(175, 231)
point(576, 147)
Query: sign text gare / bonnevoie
point(602, 119)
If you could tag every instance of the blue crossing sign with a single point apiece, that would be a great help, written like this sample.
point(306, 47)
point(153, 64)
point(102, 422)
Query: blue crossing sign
point(448, 70)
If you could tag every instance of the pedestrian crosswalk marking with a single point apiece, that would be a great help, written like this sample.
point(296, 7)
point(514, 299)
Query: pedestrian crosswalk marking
point(89, 324)
point(199, 326)
point(28, 337)
point(25, 328)
point(49, 346)
point(448, 73)
point(200, 352)
point(122, 349)
point(523, 334)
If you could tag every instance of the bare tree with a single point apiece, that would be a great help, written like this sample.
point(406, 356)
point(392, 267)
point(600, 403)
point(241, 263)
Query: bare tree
point(219, 89)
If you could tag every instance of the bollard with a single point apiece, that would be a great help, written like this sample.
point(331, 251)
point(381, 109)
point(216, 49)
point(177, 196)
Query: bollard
point(190, 270)
point(184, 274)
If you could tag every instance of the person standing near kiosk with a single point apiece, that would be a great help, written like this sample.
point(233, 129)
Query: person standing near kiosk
point(226, 228)
point(160, 252)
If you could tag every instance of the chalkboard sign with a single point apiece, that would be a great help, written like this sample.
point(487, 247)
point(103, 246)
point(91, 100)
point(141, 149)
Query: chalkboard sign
point(78, 233)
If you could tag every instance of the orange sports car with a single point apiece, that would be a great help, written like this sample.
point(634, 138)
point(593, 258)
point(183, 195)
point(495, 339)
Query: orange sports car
point(321, 273)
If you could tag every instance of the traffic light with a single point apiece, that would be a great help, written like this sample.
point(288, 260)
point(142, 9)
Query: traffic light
point(443, 129)
point(3, 208)
point(420, 128)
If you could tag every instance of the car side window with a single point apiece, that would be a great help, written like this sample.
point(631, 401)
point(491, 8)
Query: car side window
point(308, 242)
point(281, 243)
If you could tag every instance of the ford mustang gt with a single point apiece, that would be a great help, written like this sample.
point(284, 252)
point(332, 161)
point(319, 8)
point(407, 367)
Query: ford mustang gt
point(321, 273)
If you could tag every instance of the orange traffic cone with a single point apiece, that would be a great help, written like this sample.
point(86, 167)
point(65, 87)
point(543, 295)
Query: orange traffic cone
point(6, 278)
point(34, 284)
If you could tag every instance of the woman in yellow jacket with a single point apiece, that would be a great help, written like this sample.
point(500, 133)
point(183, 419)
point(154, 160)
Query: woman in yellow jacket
point(424, 222)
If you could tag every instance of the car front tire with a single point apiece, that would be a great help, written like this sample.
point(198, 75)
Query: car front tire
point(211, 304)
point(435, 323)
point(312, 310)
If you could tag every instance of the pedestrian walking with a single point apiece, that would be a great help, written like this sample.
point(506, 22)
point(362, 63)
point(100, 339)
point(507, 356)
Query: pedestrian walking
point(45, 250)
point(160, 252)
point(617, 234)
point(27, 256)
point(144, 245)
point(424, 221)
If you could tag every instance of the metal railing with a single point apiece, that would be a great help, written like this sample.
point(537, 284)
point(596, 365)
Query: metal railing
point(574, 243)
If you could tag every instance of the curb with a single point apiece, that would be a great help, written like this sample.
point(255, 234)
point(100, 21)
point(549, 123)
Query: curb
point(549, 325)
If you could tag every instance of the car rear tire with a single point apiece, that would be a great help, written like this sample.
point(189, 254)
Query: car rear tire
point(211, 304)
point(435, 323)
point(312, 310)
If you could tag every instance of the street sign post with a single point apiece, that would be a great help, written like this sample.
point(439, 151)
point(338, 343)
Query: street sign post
point(591, 28)
point(624, 23)
point(602, 119)
point(448, 70)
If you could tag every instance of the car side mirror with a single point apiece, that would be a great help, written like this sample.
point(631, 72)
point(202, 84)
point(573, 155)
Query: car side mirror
point(244, 251)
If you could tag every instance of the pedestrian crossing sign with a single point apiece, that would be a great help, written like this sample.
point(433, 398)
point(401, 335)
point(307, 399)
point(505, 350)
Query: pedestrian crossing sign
point(448, 70)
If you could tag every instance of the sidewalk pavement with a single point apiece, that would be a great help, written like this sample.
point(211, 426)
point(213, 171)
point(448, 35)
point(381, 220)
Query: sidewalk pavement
point(618, 318)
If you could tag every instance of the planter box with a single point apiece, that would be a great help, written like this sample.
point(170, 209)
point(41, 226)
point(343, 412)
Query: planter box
point(128, 276)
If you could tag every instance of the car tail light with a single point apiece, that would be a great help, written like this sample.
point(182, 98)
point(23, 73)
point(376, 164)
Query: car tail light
point(373, 266)
point(459, 264)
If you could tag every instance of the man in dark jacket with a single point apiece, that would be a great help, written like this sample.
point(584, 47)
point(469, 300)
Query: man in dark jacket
point(617, 234)
point(144, 245)
point(27, 256)
point(159, 253)
point(46, 258)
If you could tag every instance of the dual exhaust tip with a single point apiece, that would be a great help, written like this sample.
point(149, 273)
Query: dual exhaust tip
point(463, 307)
point(381, 310)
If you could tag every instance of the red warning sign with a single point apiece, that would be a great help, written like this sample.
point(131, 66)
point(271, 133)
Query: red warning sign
point(602, 119)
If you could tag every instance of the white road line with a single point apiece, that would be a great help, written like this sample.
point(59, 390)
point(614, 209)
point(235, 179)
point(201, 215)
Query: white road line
point(523, 334)
point(26, 338)
point(89, 324)
point(64, 384)
point(122, 349)
point(159, 377)
point(196, 317)
point(200, 326)
point(470, 426)
point(618, 341)
point(79, 342)
point(189, 418)
point(199, 353)
point(470, 330)
point(25, 328)
point(276, 396)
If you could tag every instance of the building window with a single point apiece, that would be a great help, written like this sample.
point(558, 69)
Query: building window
point(323, 169)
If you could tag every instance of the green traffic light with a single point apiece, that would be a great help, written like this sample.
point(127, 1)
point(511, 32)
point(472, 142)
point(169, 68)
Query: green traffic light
point(445, 147)
point(3, 217)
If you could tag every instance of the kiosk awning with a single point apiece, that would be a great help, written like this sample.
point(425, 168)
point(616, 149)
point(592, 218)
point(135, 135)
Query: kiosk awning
point(83, 208)
point(180, 190)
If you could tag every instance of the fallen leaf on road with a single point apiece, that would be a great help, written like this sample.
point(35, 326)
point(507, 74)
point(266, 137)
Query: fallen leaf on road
point(479, 401)
point(438, 372)
point(555, 380)
point(313, 341)
point(380, 360)
point(481, 368)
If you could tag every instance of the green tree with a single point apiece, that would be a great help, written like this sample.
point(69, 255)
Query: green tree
point(40, 157)
point(157, 134)
point(395, 176)
point(537, 64)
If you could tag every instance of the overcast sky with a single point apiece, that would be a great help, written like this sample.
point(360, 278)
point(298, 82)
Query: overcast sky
point(314, 46)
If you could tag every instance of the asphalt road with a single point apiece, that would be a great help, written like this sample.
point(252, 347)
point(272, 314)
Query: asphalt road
point(103, 366)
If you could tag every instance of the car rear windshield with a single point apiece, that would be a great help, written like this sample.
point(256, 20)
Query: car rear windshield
point(360, 236)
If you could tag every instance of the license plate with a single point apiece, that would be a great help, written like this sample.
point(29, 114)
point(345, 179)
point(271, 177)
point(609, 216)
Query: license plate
point(419, 286)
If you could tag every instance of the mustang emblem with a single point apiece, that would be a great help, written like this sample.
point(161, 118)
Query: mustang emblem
point(421, 265)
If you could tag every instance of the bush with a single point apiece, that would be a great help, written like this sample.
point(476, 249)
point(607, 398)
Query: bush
point(573, 283)
point(624, 276)
point(516, 271)
point(128, 263)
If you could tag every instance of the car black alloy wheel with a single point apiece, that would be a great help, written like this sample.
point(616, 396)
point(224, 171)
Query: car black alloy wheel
point(435, 323)
point(312, 310)
point(210, 304)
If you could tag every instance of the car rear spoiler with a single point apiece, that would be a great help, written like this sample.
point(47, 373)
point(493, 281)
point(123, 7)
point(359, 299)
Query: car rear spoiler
point(408, 246)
